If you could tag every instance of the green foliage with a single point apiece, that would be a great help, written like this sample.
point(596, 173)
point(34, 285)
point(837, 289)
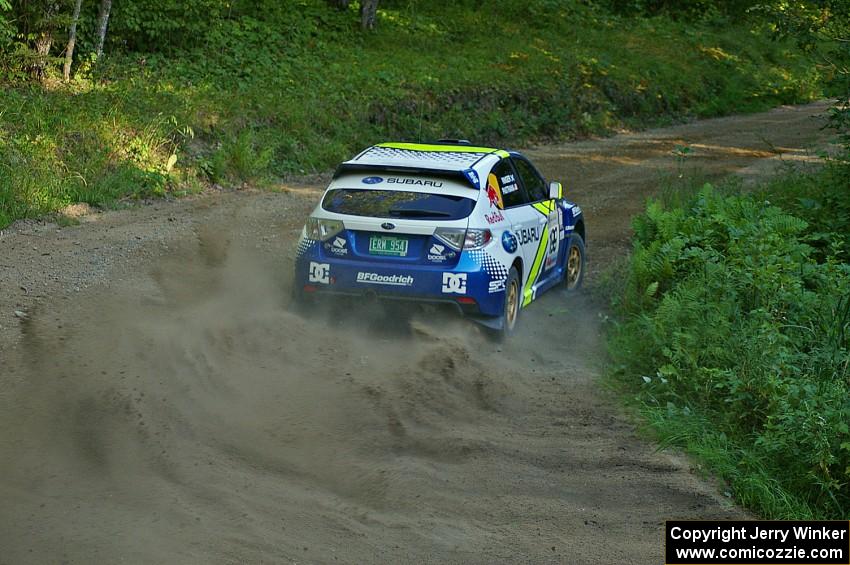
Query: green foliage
point(807, 23)
point(270, 89)
point(820, 198)
point(171, 26)
point(736, 340)
point(7, 30)
point(690, 10)
point(57, 149)
point(239, 159)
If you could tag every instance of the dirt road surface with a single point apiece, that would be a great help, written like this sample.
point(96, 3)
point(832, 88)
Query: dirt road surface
point(160, 402)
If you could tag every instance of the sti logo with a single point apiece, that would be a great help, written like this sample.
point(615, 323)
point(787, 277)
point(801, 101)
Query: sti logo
point(319, 273)
point(454, 283)
point(372, 180)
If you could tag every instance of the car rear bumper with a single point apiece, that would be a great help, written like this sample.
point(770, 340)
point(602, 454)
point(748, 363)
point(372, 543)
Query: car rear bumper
point(467, 284)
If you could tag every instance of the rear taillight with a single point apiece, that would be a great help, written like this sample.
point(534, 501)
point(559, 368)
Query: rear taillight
point(476, 239)
point(323, 230)
point(453, 237)
point(459, 238)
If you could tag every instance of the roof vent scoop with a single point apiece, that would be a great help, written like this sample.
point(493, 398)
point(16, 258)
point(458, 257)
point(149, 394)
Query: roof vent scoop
point(455, 141)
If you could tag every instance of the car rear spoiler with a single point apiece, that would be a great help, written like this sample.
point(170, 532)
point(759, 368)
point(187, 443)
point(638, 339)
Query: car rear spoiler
point(467, 176)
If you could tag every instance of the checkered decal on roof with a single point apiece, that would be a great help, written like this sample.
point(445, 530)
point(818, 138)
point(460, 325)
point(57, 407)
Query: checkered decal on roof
point(492, 267)
point(459, 158)
point(304, 245)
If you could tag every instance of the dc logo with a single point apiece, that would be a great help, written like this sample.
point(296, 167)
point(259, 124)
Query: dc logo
point(320, 273)
point(454, 283)
point(372, 180)
point(509, 242)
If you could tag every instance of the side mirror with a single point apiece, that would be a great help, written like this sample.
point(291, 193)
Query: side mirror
point(556, 190)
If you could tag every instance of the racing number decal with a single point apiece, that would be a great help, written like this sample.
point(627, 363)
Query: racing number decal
point(554, 241)
point(550, 209)
point(547, 249)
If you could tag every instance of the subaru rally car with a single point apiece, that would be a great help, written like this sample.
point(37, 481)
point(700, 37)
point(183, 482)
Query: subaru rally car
point(447, 222)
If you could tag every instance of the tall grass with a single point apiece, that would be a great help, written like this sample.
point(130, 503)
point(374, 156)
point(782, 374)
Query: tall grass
point(734, 338)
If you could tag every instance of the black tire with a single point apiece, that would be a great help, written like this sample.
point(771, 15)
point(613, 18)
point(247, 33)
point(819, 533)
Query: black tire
point(301, 301)
point(576, 264)
point(512, 306)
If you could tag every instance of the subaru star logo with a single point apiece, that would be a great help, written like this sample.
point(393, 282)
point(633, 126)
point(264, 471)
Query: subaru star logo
point(509, 242)
point(388, 226)
point(373, 180)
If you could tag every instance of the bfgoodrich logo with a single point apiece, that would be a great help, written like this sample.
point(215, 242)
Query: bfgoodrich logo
point(392, 280)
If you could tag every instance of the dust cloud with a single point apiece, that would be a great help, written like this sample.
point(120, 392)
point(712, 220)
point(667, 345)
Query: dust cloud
point(195, 414)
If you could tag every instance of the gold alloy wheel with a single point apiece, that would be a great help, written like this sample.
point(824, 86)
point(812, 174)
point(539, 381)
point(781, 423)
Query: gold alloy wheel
point(573, 267)
point(513, 302)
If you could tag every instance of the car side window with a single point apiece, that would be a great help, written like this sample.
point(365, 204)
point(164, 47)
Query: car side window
point(532, 180)
point(512, 192)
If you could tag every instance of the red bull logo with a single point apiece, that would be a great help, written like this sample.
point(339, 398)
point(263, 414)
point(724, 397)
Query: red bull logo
point(493, 193)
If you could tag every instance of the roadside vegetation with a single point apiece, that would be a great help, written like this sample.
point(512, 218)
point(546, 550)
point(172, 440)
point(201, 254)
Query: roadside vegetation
point(733, 334)
point(187, 95)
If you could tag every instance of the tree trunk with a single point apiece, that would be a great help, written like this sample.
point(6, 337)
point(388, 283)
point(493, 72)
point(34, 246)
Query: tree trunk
point(368, 14)
point(102, 22)
point(42, 51)
point(43, 42)
point(72, 40)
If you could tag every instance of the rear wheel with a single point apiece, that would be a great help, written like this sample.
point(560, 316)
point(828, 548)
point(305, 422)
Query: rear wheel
point(575, 264)
point(510, 314)
point(301, 301)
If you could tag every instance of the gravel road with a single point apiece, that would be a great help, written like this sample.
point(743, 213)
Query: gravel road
point(161, 403)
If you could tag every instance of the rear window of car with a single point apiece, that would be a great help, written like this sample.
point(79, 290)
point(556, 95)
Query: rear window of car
point(397, 204)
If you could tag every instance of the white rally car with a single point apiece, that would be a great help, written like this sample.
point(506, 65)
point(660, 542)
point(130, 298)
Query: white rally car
point(447, 222)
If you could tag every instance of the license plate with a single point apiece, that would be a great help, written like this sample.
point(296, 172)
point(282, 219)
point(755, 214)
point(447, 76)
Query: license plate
point(385, 245)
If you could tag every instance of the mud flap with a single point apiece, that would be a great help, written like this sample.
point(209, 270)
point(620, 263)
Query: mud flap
point(492, 322)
